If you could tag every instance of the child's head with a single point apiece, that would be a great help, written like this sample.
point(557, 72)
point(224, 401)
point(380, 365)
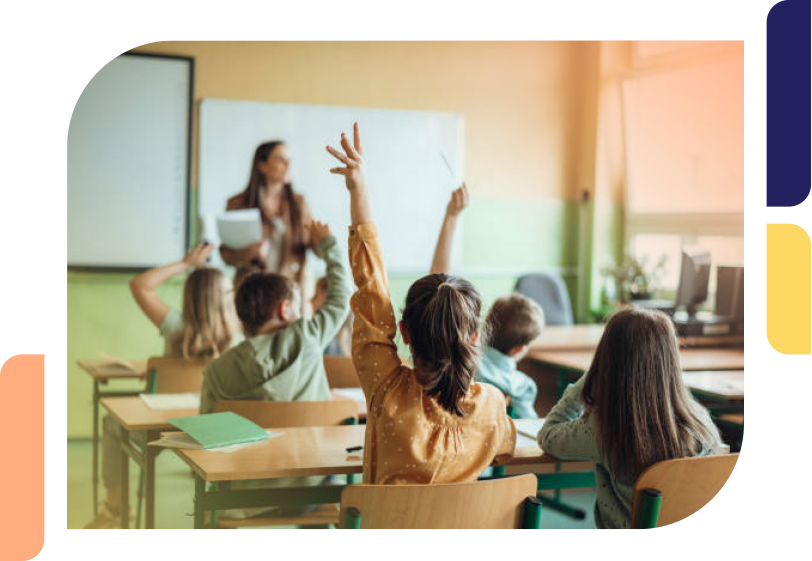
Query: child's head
point(320, 295)
point(514, 321)
point(441, 326)
point(266, 301)
point(634, 389)
point(209, 319)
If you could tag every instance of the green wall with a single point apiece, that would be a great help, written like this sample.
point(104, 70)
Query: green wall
point(502, 238)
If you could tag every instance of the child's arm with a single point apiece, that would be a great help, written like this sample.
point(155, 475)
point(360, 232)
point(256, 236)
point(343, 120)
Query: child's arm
point(566, 434)
point(374, 352)
point(144, 285)
point(442, 253)
point(331, 315)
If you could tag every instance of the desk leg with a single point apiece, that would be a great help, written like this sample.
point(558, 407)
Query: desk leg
point(95, 447)
point(151, 453)
point(125, 480)
point(200, 489)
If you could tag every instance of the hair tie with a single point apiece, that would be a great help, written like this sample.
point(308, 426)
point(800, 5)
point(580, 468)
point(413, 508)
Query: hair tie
point(442, 284)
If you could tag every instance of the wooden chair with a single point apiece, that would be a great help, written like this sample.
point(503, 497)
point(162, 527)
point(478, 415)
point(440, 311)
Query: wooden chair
point(169, 375)
point(341, 372)
point(282, 414)
point(174, 375)
point(509, 502)
point(672, 490)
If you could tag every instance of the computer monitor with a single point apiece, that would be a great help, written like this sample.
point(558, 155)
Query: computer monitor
point(693, 280)
point(730, 292)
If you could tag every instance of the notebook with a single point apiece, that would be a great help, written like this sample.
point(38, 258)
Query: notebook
point(214, 430)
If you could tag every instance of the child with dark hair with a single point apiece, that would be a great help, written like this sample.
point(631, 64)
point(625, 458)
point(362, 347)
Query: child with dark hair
point(282, 357)
point(513, 322)
point(430, 423)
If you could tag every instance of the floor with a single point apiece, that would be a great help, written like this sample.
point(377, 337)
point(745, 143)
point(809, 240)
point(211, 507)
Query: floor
point(174, 489)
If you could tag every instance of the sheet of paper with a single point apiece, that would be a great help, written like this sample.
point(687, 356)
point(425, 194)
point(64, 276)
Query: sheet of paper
point(183, 440)
point(528, 427)
point(355, 394)
point(171, 400)
point(116, 363)
point(240, 228)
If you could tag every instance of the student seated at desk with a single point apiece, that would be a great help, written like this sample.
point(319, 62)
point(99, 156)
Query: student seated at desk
point(430, 424)
point(282, 358)
point(629, 411)
point(205, 328)
point(513, 321)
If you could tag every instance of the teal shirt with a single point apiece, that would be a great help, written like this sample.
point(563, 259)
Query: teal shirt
point(500, 370)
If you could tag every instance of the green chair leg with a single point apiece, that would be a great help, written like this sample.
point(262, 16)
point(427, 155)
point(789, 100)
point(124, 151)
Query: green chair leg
point(563, 508)
point(498, 471)
point(649, 509)
point(532, 513)
point(352, 519)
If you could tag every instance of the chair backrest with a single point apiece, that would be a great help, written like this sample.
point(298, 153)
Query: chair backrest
point(281, 414)
point(341, 372)
point(681, 486)
point(497, 503)
point(174, 375)
point(550, 292)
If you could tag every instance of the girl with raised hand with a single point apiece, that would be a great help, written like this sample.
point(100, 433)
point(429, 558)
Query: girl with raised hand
point(431, 423)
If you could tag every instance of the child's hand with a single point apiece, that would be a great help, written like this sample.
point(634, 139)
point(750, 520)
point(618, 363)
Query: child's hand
point(459, 200)
point(318, 231)
point(354, 173)
point(199, 255)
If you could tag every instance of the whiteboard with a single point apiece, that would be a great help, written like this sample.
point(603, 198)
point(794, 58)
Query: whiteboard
point(128, 164)
point(410, 185)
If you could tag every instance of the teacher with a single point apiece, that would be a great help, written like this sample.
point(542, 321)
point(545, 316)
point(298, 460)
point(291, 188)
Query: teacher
point(284, 214)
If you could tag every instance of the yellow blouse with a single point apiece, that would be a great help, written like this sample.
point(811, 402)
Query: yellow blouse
point(409, 437)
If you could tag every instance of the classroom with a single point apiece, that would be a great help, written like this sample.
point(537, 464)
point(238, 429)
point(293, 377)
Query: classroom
point(250, 230)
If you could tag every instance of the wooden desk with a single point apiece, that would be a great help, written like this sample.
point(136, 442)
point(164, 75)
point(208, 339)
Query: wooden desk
point(132, 414)
point(587, 337)
point(296, 452)
point(725, 385)
point(102, 371)
point(693, 358)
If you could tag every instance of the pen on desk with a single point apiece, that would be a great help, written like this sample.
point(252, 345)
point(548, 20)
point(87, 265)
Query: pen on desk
point(354, 448)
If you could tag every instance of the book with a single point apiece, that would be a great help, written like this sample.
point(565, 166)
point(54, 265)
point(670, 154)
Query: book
point(184, 441)
point(214, 430)
point(528, 427)
point(171, 400)
point(117, 364)
point(239, 229)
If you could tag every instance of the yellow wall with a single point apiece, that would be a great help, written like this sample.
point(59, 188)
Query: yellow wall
point(523, 102)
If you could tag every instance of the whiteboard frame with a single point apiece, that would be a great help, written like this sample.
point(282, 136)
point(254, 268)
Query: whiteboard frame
point(187, 215)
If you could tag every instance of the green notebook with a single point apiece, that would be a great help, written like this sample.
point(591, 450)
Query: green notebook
point(214, 430)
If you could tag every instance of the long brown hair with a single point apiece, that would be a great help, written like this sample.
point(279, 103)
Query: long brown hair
point(295, 240)
point(442, 316)
point(634, 389)
point(209, 318)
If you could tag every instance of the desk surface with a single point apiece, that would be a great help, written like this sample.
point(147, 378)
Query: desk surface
point(309, 451)
point(694, 358)
point(105, 370)
point(727, 384)
point(587, 336)
point(133, 414)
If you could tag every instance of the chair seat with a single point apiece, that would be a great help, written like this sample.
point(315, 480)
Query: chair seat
point(324, 514)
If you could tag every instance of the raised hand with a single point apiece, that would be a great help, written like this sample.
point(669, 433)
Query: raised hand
point(199, 255)
point(353, 160)
point(459, 200)
point(318, 231)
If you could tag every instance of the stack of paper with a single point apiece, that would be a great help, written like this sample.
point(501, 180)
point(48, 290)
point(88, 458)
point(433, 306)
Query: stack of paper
point(171, 400)
point(239, 229)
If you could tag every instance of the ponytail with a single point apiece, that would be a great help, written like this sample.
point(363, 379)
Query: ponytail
point(442, 316)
